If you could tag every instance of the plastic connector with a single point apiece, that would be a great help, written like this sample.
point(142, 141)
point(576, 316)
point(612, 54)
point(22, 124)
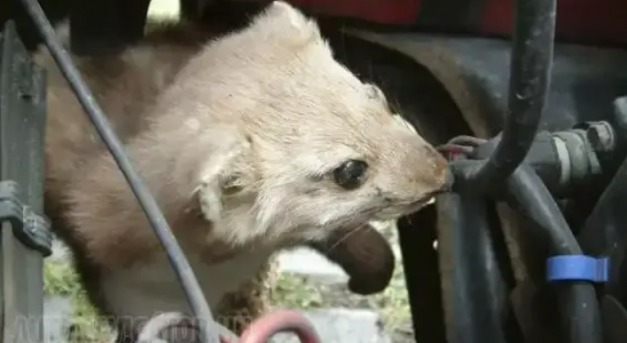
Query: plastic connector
point(577, 268)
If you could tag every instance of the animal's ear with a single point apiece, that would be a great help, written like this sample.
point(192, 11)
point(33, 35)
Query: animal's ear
point(219, 174)
point(287, 23)
point(286, 13)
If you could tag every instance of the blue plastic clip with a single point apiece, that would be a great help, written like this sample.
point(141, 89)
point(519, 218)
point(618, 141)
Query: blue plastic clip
point(577, 268)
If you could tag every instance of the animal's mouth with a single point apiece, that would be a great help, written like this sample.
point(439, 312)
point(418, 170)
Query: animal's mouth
point(427, 200)
point(408, 208)
point(430, 200)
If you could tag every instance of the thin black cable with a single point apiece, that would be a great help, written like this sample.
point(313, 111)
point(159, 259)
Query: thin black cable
point(181, 266)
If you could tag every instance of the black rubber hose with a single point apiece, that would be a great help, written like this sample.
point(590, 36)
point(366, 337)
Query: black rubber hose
point(531, 61)
point(158, 222)
point(578, 303)
point(474, 291)
point(526, 193)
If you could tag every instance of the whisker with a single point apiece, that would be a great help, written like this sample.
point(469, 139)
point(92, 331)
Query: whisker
point(350, 233)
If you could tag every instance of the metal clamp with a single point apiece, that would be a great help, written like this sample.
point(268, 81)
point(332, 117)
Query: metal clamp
point(32, 229)
point(577, 268)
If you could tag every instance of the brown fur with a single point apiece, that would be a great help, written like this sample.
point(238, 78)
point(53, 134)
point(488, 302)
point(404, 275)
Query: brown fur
point(123, 86)
point(236, 140)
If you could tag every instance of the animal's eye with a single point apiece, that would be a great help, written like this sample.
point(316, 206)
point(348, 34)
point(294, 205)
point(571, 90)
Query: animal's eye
point(350, 174)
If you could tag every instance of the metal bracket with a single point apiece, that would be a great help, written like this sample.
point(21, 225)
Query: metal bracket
point(32, 229)
point(22, 162)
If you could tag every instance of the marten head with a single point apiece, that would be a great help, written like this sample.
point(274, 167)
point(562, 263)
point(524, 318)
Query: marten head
point(282, 143)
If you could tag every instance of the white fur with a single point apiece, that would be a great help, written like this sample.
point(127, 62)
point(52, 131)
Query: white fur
point(146, 289)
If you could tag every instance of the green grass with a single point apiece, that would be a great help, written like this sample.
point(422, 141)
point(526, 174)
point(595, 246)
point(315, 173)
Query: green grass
point(296, 292)
point(60, 279)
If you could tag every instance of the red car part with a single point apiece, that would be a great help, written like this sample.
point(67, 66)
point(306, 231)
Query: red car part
point(262, 329)
point(582, 21)
point(259, 331)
